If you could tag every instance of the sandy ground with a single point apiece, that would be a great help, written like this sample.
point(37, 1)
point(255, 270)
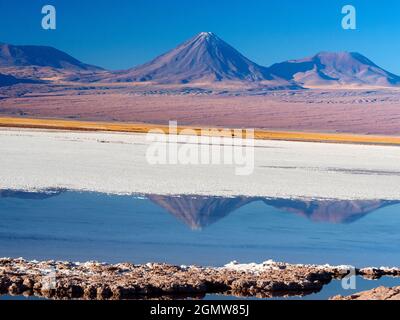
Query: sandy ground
point(346, 111)
point(116, 163)
point(126, 127)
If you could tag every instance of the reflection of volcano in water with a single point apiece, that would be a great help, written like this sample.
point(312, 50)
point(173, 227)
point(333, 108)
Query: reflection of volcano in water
point(49, 193)
point(200, 212)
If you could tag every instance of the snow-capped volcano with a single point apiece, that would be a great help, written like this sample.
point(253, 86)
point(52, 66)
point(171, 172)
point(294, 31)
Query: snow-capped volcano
point(204, 58)
point(335, 68)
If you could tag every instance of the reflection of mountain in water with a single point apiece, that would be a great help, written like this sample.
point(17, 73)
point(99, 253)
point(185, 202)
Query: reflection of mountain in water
point(31, 195)
point(332, 211)
point(199, 212)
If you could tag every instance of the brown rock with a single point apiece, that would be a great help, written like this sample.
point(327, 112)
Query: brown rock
point(28, 284)
point(381, 293)
point(15, 289)
point(94, 280)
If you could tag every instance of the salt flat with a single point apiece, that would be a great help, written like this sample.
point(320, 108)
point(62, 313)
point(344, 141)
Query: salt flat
point(116, 163)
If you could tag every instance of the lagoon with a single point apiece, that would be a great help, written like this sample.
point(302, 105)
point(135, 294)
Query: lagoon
point(211, 231)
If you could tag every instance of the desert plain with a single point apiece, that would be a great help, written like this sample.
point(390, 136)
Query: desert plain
point(352, 111)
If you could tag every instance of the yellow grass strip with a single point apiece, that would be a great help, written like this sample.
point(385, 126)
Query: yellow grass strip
point(55, 124)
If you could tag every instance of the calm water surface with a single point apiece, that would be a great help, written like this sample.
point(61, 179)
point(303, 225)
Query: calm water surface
point(197, 230)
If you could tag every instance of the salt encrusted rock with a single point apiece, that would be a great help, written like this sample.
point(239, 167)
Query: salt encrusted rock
point(93, 280)
point(104, 292)
point(381, 293)
point(90, 292)
point(376, 273)
point(5, 283)
point(37, 286)
point(28, 284)
point(15, 289)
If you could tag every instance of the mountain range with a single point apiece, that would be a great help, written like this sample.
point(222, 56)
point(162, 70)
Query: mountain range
point(203, 59)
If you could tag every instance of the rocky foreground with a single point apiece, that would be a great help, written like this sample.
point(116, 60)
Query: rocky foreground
point(381, 293)
point(93, 280)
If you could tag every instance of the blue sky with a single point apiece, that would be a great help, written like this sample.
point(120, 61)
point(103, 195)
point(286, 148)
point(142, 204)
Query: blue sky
point(123, 33)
